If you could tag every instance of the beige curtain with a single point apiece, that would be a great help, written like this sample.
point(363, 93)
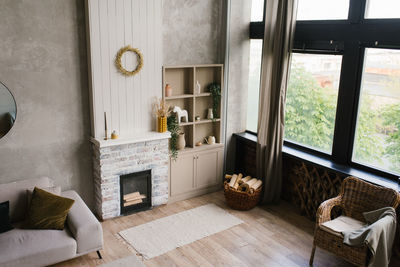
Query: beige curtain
point(280, 20)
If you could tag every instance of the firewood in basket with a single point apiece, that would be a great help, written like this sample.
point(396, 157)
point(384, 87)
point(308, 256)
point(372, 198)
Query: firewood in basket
point(228, 176)
point(233, 180)
point(245, 179)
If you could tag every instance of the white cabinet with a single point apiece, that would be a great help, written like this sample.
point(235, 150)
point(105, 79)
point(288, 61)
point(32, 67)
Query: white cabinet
point(196, 173)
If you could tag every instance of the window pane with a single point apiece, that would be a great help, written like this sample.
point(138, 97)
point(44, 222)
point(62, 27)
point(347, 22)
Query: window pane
point(322, 9)
point(257, 10)
point(254, 84)
point(311, 100)
point(377, 139)
point(382, 9)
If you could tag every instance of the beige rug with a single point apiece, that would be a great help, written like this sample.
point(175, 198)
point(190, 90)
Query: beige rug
point(160, 236)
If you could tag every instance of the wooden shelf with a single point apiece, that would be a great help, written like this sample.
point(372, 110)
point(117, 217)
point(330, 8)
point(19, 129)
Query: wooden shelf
point(178, 96)
point(183, 81)
point(206, 121)
point(186, 123)
point(202, 94)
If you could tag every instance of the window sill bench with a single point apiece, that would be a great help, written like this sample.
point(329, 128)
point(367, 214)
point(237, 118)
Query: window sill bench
point(327, 163)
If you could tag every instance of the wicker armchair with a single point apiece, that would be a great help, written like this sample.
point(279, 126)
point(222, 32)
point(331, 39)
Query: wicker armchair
point(355, 197)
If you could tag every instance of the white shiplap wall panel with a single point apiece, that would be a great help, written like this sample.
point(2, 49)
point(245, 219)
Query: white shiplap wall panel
point(127, 100)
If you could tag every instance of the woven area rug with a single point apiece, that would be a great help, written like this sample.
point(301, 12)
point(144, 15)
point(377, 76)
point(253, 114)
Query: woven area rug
point(130, 261)
point(160, 236)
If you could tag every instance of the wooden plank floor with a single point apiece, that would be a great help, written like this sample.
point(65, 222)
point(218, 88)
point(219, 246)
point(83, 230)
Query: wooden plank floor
point(273, 235)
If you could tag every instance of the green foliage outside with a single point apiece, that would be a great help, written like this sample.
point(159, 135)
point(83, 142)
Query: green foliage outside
point(310, 120)
point(310, 111)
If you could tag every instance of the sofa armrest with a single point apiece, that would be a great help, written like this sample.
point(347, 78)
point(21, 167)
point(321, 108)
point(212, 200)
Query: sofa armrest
point(83, 225)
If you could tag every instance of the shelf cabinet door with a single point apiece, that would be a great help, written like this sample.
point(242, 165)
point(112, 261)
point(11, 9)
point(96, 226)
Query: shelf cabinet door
point(208, 168)
point(182, 174)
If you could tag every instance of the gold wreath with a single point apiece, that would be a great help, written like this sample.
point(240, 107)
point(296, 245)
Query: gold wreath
point(118, 62)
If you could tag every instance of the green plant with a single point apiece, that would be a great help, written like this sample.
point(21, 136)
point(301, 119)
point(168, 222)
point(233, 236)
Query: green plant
point(173, 128)
point(215, 90)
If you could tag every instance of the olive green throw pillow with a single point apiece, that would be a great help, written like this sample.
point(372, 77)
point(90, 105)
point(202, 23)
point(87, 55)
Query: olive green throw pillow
point(47, 211)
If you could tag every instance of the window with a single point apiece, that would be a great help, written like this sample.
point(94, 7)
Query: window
point(257, 10)
point(377, 140)
point(343, 96)
point(254, 84)
point(311, 100)
point(382, 9)
point(322, 9)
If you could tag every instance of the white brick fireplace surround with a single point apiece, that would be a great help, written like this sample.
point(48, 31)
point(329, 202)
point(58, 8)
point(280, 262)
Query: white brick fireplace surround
point(112, 158)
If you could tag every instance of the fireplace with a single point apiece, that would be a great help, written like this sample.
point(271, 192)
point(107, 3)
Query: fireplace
point(135, 189)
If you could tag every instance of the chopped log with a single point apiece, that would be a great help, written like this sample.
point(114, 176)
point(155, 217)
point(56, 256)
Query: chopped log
point(252, 181)
point(233, 180)
point(228, 176)
point(134, 194)
point(256, 185)
point(244, 187)
point(133, 202)
point(135, 198)
point(246, 179)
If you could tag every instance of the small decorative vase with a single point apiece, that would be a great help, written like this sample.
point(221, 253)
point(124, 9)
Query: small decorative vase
point(168, 90)
point(181, 141)
point(197, 89)
point(162, 124)
point(114, 135)
point(210, 114)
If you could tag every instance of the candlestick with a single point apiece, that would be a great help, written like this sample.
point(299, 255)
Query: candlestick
point(105, 124)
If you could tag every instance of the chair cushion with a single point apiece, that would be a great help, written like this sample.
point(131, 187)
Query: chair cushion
point(15, 192)
point(47, 211)
point(20, 247)
point(342, 224)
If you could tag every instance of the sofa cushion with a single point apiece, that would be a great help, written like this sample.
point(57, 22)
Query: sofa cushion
point(56, 190)
point(20, 247)
point(5, 223)
point(15, 192)
point(47, 211)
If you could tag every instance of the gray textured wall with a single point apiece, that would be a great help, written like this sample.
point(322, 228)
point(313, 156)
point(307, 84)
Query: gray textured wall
point(191, 31)
point(43, 62)
point(239, 48)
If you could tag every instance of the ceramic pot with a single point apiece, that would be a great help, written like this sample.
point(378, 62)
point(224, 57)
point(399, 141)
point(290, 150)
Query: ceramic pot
point(181, 141)
point(162, 124)
point(210, 114)
point(168, 90)
point(198, 86)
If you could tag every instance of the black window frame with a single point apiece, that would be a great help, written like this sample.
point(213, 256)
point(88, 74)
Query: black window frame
point(348, 38)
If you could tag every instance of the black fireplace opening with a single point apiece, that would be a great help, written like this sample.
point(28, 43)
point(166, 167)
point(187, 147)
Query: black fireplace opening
point(135, 190)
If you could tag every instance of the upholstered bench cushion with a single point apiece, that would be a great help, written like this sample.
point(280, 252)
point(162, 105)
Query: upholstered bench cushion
point(21, 247)
point(341, 224)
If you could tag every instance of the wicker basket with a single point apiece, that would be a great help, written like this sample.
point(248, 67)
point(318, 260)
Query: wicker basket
point(241, 200)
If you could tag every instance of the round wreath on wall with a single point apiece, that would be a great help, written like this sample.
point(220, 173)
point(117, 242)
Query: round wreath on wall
point(118, 62)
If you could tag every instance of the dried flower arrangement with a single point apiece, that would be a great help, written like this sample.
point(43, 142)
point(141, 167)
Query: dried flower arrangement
point(160, 108)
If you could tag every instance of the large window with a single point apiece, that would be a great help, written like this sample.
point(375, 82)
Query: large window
point(343, 96)
point(377, 140)
point(311, 100)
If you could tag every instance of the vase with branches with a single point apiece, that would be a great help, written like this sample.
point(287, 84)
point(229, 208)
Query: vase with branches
point(215, 90)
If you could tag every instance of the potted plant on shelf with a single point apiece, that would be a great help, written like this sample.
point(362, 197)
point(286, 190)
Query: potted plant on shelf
point(215, 90)
point(173, 128)
point(161, 110)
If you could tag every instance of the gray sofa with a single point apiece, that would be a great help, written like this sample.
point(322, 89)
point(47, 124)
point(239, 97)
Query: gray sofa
point(23, 247)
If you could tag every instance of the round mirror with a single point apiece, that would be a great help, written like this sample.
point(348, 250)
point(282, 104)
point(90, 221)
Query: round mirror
point(8, 110)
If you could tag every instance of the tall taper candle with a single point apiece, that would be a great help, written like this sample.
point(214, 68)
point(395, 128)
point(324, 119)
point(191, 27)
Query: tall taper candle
point(105, 125)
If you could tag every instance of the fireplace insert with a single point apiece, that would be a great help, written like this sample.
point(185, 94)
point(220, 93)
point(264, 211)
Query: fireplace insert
point(135, 190)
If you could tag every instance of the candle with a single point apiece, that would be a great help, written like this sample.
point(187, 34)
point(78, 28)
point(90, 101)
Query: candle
point(105, 125)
